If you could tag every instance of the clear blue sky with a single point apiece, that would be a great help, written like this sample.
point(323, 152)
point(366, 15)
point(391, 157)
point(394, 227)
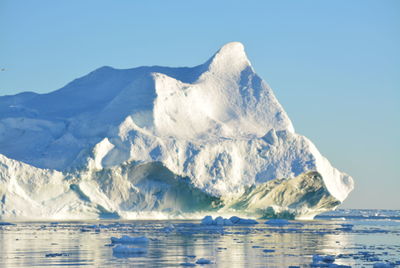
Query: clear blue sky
point(334, 65)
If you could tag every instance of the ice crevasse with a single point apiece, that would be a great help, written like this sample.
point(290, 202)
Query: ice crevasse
point(161, 142)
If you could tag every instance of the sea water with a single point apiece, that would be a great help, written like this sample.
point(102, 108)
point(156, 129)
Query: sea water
point(347, 237)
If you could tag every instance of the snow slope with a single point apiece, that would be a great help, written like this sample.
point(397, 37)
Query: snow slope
point(156, 140)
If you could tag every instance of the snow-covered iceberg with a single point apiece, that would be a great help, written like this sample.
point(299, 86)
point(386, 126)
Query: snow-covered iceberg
point(160, 142)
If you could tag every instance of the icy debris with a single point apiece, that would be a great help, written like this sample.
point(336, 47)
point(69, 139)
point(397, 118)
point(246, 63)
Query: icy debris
point(121, 249)
point(277, 222)
point(203, 261)
point(220, 221)
point(130, 240)
point(326, 261)
point(268, 250)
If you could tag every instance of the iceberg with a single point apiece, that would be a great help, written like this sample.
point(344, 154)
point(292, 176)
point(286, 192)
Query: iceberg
point(161, 142)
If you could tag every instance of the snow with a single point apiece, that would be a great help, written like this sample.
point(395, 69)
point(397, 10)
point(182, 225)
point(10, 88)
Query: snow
point(128, 143)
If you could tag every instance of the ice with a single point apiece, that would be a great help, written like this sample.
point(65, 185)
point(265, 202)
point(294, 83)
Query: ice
point(207, 220)
point(237, 220)
point(160, 142)
point(130, 240)
point(52, 255)
point(219, 221)
point(326, 261)
point(268, 250)
point(203, 261)
point(227, 222)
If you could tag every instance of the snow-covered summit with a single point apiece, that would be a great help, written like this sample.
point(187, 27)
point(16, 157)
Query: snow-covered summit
point(217, 126)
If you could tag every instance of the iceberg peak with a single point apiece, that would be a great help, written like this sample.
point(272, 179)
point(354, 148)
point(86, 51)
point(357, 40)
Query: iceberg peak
point(230, 57)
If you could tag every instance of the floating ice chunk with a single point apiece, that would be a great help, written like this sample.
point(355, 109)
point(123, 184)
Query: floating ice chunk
point(278, 222)
point(51, 255)
point(237, 220)
point(316, 258)
point(219, 221)
point(203, 261)
point(121, 249)
point(207, 220)
point(130, 240)
point(6, 223)
point(268, 250)
point(247, 221)
point(325, 261)
point(328, 259)
point(234, 219)
point(227, 222)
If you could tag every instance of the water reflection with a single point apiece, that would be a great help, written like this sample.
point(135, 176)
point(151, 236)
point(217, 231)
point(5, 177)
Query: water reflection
point(26, 244)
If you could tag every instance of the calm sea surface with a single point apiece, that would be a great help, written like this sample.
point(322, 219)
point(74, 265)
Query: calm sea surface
point(351, 237)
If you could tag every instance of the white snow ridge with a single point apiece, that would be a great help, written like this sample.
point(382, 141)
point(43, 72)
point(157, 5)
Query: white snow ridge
point(161, 142)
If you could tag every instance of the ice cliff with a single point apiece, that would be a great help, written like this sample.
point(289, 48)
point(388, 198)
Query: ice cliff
point(160, 142)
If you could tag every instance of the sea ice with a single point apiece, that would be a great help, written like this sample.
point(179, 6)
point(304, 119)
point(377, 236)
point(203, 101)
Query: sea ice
point(203, 261)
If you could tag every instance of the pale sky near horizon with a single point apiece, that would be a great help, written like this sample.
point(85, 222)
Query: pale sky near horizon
point(333, 65)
